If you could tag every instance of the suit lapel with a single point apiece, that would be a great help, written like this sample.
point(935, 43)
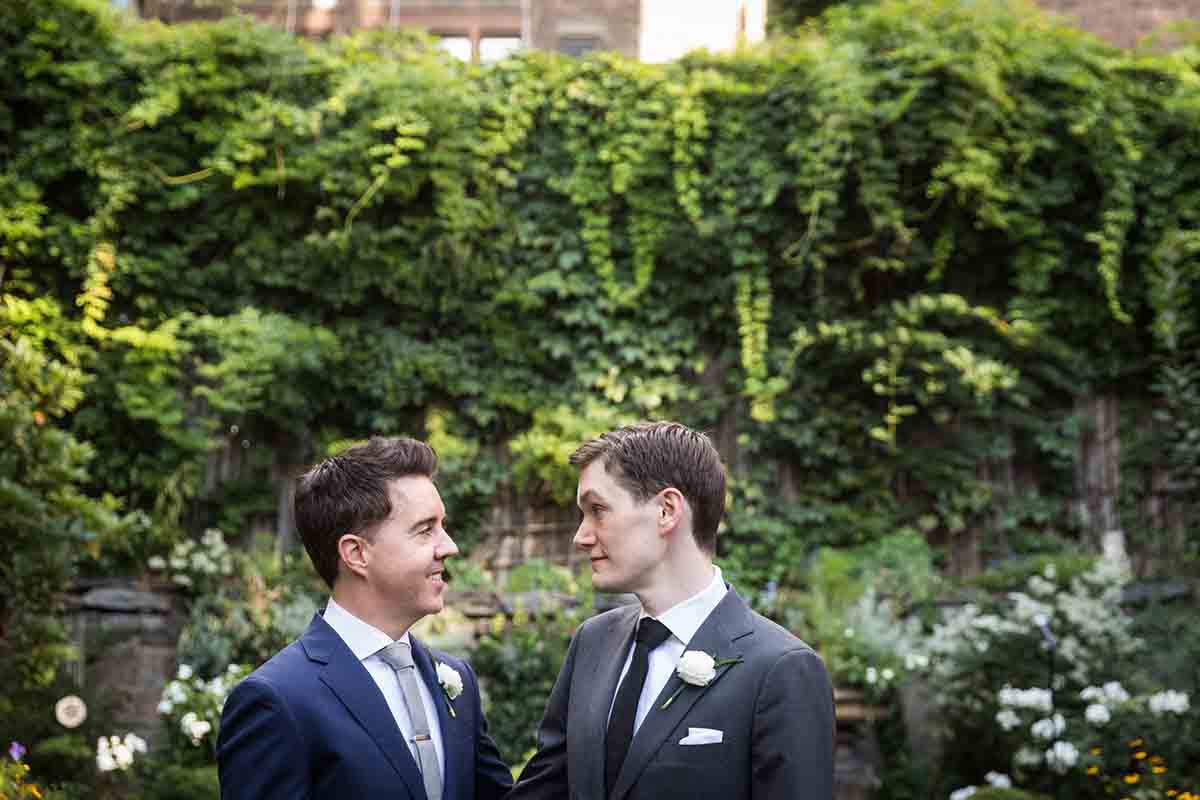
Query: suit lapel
point(607, 659)
point(718, 636)
point(458, 754)
point(355, 688)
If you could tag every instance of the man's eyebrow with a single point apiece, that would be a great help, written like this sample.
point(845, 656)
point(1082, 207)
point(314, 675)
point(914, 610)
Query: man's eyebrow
point(590, 494)
point(421, 523)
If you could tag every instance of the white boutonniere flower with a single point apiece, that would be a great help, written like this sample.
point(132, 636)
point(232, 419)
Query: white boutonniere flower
point(451, 681)
point(697, 668)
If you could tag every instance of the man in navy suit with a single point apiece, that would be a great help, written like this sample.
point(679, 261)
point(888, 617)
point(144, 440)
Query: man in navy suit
point(357, 707)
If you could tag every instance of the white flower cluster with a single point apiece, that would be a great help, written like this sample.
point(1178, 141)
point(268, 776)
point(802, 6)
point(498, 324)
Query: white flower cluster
point(190, 560)
point(1168, 702)
point(996, 779)
point(1111, 694)
point(882, 677)
point(1049, 727)
point(1062, 756)
point(194, 727)
point(1034, 699)
point(113, 752)
point(197, 701)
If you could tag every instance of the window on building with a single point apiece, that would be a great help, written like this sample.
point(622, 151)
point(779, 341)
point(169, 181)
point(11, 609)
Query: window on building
point(457, 46)
point(494, 48)
point(578, 45)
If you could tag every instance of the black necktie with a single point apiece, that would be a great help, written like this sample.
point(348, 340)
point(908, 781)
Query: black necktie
point(650, 634)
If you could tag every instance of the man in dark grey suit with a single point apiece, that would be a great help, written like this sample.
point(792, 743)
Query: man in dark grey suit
point(690, 693)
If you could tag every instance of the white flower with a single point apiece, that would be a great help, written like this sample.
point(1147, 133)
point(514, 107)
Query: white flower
point(887, 675)
point(104, 761)
point(185, 672)
point(696, 667)
point(1027, 757)
point(872, 675)
point(999, 780)
point(182, 580)
point(165, 706)
point(1033, 699)
point(1050, 572)
point(916, 661)
point(848, 633)
point(1115, 693)
point(1097, 714)
point(156, 562)
point(1050, 728)
point(1168, 702)
point(450, 680)
point(963, 793)
point(198, 729)
point(135, 743)
point(1008, 719)
point(1062, 756)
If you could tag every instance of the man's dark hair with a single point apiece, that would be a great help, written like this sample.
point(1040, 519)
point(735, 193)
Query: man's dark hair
point(650, 456)
point(348, 493)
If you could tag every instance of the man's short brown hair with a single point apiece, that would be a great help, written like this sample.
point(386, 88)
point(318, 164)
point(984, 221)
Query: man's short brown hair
point(348, 493)
point(651, 456)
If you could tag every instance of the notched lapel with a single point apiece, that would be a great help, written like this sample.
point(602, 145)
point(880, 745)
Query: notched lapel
point(353, 685)
point(718, 635)
point(600, 683)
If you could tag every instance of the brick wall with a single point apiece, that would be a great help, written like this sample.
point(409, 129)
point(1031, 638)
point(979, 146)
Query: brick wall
point(1122, 22)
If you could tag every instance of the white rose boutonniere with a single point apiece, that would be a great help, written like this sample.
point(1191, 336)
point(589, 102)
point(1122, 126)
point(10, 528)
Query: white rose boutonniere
point(452, 683)
point(697, 668)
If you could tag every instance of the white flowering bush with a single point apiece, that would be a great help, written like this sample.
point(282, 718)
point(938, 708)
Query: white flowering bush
point(192, 705)
point(197, 566)
point(1036, 684)
point(1107, 741)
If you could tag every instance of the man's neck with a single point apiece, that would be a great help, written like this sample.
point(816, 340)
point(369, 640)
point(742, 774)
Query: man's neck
point(360, 604)
point(674, 582)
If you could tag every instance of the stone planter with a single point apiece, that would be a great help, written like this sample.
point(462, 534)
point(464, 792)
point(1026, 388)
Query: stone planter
point(126, 632)
point(857, 760)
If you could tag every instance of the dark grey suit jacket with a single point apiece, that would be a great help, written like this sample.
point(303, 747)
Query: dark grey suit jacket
point(775, 709)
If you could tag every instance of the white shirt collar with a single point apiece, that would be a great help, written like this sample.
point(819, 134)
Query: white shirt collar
point(684, 618)
point(363, 638)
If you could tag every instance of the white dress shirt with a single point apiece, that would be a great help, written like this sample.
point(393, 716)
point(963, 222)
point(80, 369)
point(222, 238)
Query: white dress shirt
point(365, 641)
point(682, 620)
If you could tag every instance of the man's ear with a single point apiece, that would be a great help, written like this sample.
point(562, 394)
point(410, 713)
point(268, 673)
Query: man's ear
point(672, 509)
point(352, 552)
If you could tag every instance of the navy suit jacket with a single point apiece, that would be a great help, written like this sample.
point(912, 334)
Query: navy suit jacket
point(311, 723)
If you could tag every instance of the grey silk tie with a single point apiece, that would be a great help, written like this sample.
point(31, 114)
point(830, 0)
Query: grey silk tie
point(398, 656)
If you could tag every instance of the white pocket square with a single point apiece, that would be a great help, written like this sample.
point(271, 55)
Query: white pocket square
point(702, 736)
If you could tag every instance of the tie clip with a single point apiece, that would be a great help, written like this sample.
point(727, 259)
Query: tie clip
point(420, 737)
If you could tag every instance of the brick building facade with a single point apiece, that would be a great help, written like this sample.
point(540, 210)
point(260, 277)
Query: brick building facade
point(1123, 22)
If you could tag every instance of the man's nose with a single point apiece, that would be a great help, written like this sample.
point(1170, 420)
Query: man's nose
point(447, 547)
point(584, 538)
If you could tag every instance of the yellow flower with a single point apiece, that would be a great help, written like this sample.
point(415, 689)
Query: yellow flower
point(1138, 742)
point(1158, 770)
point(1172, 792)
point(1139, 755)
point(1157, 760)
point(1096, 751)
point(1132, 779)
point(1093, 770)
point(33, 790)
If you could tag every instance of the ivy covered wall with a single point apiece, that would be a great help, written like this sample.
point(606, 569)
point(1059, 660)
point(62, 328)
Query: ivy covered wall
point(890, 262)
